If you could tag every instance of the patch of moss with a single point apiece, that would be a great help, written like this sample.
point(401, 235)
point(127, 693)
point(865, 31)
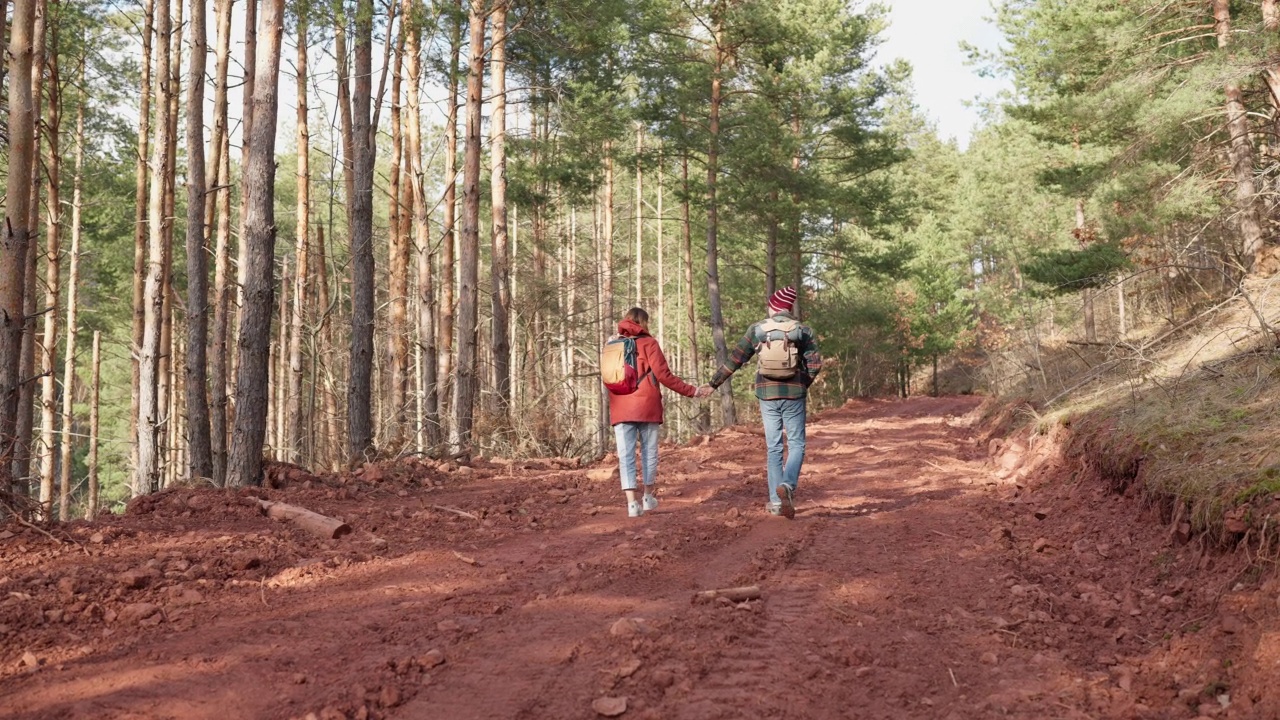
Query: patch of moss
point(1267, 483)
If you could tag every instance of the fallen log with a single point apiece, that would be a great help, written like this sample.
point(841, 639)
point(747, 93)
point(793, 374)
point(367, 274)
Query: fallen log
point(735, 594)
point(313, 522)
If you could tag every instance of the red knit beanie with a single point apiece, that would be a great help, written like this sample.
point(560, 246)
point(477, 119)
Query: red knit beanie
point(783, 300)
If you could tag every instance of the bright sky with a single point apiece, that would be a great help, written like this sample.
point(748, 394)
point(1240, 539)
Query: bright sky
point(928, 33)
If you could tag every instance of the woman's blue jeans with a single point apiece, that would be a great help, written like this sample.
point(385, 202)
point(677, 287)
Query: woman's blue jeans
point(627, 435)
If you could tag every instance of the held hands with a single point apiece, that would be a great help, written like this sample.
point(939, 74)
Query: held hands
point(703, 391)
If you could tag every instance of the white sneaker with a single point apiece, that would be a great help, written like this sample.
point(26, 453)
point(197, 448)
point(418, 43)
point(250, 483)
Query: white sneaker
point(650, 502)
point(634, 508)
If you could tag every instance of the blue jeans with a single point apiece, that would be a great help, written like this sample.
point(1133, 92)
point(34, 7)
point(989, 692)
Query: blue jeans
point(626, 434)
point(783, 416)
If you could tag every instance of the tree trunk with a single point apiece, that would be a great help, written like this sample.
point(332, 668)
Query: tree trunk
point(661, 264)
point(220, 205)
point(639, 293)
point(344, 109)
point(1240, 150)
point(91, 505)
point(280, 367)
point(428, 402)
point(73, 286)
point(334, 452)
point(691, 316)
point(245, 464)
point(147, 475)
point(771, 248)
point(167, 384)
point(246, 129)
point(27, 361)
point(197, 362)
point(1090, 326)
point(297, 421)
point(606, 237)
point(140, 230)
point(52, 276)
point(398, 266)
point(713, 257)
point(1121, 309)
point(449, 241)
point(1270, 15)
point(359, 390)
point(218, 426)
point(466, 382)
point(498, 194)
point(797, 250)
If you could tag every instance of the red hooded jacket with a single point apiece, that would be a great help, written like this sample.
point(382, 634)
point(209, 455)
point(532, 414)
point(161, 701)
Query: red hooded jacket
point(645, 404)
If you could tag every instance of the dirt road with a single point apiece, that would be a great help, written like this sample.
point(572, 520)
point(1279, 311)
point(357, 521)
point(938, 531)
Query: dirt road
point(917, 581)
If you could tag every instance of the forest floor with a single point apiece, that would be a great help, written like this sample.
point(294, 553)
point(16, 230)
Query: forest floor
point(931, 572)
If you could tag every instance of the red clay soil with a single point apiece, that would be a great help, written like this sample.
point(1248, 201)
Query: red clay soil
point(921, 578)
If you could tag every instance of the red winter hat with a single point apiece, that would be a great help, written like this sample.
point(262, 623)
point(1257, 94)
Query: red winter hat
point(783, 300)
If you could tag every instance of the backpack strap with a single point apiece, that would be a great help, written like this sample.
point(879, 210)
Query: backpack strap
point(785, 327)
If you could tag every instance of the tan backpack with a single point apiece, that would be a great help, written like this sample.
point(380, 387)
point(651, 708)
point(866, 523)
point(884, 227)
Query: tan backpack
point(778, 357)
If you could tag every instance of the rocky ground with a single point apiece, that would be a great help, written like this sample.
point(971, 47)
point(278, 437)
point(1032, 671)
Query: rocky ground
point(931, 572)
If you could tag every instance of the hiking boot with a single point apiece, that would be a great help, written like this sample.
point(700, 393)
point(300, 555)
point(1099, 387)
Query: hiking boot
point(787, 495)
point(634, 508)
point(773, 509)
point(650, 502)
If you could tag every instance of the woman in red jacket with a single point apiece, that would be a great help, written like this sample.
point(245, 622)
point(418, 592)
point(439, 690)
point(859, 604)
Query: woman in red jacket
point(637, 417)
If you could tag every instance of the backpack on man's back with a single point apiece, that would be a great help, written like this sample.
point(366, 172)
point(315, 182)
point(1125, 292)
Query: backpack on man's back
point(777, 354)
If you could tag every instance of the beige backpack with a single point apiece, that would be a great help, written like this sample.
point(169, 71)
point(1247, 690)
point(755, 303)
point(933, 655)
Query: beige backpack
point(777, 355)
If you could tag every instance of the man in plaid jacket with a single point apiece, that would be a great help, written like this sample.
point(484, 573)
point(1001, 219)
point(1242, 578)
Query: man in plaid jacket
point(782, 393)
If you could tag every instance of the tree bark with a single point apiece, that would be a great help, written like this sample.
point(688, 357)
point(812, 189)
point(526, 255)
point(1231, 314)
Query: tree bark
point(1090, 326)
point(661, 264)
point(1270, 15)
point(691, 316)
point(428, 401)
point(220, 204)
point(91, 505)
point(140, 229)
point(27, 361)
point(297, 436)
point(280, 367)
point(713, 257)
point(334, 452)
point(639, 293)
point(449, 241)
point(73, 286)
point(200, 451)
point(52, 277)
point(359, 390)
point(245, 464)
point(167, 384)
point(1240, 150)
point(147, 475)
point(397, 264)
point(499, 250)
point(466, 382)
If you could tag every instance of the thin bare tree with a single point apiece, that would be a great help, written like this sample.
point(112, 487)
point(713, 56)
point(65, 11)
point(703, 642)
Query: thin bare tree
point(146, 475)
point(200, 451)
point(466, 378)
point(73, 286)
point(499, 251)
point(296, 431)
point(91, 504)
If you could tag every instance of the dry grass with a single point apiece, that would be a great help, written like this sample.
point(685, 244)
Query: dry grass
point(1188, 417)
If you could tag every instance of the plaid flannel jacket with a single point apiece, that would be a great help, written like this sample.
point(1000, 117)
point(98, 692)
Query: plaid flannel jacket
point(766, 389)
